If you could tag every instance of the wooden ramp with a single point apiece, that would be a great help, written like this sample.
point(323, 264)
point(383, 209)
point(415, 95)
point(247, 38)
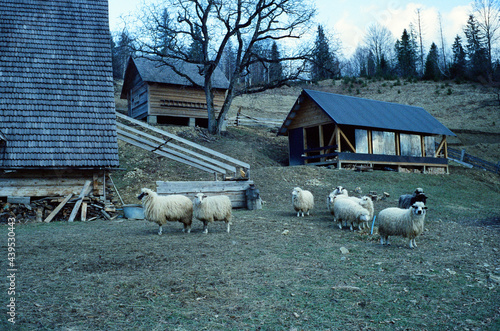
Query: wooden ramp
point(180, 149)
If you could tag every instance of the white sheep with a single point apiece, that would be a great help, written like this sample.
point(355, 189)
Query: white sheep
point(349, 211)
point(302, 201)
point(172, 208)
point(367, 203)
point(330, 200)
point(408, 223)
point(214, 208)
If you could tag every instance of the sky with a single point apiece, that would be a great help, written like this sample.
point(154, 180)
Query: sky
point(348, 20)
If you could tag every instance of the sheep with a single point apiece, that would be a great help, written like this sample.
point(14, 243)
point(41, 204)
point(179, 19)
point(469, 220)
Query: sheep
point(214, 208)
point(350, 211)
point(408, 223)
point(302, 201)
point(367, 203)
point(160, 209)
point(330, 200)
point(407, 200)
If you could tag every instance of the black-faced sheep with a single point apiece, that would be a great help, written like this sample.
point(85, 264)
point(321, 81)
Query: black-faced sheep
point(302, 201)
point(407, 200)
point(408, 223)
point(171, 208)
point(214, 208)
point(350, 211)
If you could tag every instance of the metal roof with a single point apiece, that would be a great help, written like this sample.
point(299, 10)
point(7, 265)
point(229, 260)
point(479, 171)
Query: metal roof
point(57, 105)
point(156, 71)
point(348, 110)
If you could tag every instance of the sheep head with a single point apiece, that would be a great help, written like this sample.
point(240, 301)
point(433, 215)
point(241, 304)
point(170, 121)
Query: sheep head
point(144, 193)
point(198, 198)
point(419, 208)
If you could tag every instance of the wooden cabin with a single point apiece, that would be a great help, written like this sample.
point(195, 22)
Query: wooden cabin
point(345, 131)
point(57, 110)
point(157, 93)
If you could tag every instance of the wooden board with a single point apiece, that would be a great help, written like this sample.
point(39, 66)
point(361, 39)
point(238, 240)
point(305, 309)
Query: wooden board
point(58, 208)
point(235, 190)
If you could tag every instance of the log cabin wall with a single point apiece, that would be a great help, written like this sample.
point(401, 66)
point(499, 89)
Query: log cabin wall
point(52, 183)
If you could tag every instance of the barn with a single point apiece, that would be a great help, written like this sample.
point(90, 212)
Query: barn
point(157, 93)
point(58, 123)
point(348, 132)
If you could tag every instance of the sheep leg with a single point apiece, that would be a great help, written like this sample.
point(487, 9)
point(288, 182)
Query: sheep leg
point(298, 213)
point(413, 244)
point(205, 227)
point(308, 213)
point(187, 228)
point(228, 226)
point(160, 230)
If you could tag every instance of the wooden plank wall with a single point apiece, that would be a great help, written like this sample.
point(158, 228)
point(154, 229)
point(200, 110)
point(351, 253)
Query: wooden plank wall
point(159, 92)
point(49, 183)
point(235, 190)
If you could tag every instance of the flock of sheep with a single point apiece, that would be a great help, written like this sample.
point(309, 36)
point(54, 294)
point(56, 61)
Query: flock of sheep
point(406, 220)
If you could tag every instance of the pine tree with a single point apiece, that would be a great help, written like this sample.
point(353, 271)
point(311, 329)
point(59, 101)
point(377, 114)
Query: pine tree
point(476, 50)
point(406, 54)
point(432, 71)
point(275, 67)
point(120, 52)
point(324, 65)
point(196, 49)
point(459, 62)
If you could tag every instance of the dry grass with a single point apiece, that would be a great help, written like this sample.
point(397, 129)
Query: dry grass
point(274, 270)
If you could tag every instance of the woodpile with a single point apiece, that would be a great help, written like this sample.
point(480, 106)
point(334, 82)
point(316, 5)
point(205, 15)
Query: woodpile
point(39, 210)
point(84, 207)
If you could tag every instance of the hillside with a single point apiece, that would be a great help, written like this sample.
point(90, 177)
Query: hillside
point(470, 110)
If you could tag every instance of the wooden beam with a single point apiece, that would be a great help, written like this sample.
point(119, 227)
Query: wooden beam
point(398, 145)
point(441, 144)
point(147, 145)
point(58, 208)
point(347, 140)
point(422, 145)
point(185, 141)
point(182, 149)
point(370, 141)
point(78, 203)
point(84, 212)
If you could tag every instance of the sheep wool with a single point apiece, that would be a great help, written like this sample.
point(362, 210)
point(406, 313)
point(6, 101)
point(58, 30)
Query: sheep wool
point(330, 200)
point(350, 211)
point(408, 223)
point(172, 208)
point(367, 203)
point(407, 200)
point(214, 208)
point(302, 201)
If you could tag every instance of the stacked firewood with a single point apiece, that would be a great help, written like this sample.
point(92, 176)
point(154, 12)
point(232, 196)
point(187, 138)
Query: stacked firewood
point(57, 209)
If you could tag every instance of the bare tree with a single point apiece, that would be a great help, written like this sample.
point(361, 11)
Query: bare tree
point(443, 52)
point(378, 40)
point(246, 23)
point(421, 44)
point(487, 13)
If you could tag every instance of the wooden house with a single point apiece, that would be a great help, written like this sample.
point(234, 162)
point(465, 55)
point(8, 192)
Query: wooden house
point(57, 110)
point(325, 128)
point(155, 92)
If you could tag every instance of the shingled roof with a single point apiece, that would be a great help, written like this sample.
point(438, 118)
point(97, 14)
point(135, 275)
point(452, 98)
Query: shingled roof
point(154, 71)
point(360, 112)
point(56, 85)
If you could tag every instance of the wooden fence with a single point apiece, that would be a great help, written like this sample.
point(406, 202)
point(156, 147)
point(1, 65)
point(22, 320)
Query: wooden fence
point(468, 160)
point(242, 119)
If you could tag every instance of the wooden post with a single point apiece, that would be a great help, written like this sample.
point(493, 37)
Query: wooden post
point(422, 146)
point(84, 212)
point(337, 138)
point(370, 142)
point(58, 208)
point(83, 193)
point(321, 141)
point(398, 145)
